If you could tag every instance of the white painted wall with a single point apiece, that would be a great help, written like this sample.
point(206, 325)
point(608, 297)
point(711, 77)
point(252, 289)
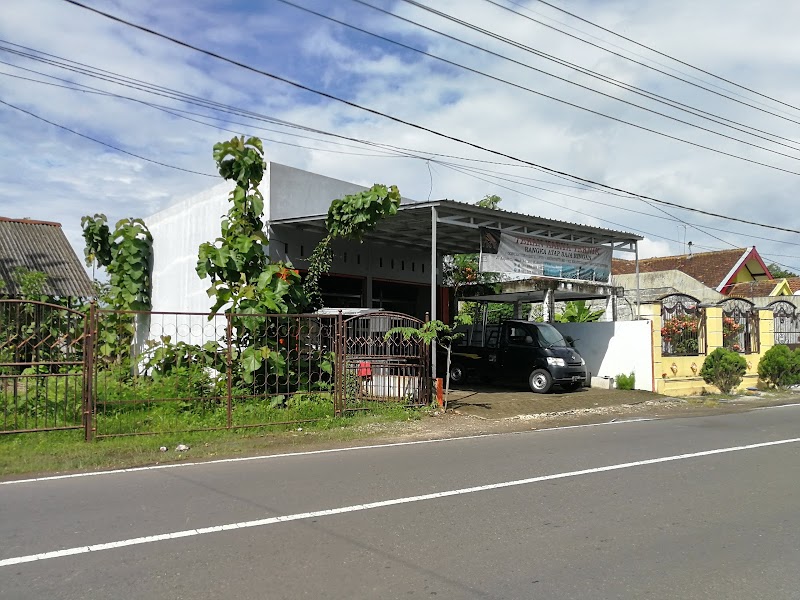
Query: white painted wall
point(613, 348)
point(178, 232)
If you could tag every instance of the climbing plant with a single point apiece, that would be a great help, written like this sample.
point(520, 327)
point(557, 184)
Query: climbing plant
point(350, 217)
point(126, 254)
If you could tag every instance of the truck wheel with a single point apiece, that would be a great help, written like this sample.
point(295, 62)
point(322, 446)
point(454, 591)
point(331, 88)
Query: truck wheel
point(540, 381)
point(458, 374)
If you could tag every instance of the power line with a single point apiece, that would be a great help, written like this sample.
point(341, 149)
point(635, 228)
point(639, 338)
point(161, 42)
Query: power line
point(560, 100)
point(628, 58)
point(651, 49)
point(410, 124)
point(720, 120)
point(118, 149)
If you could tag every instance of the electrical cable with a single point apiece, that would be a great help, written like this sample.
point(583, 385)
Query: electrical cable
point(403, 121)
point(566, 102)
point(651, 49)
point(118, 149)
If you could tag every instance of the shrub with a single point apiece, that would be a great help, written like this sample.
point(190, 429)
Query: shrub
point(626, 382)
point(724, 369)
point(779, 366)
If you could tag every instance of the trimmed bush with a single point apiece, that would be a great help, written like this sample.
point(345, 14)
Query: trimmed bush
point(779, 367)
point(724, 369)
point(626, 382)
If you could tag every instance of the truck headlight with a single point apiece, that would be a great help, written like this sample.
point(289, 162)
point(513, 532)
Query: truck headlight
point(583, 362)
point(556, 362)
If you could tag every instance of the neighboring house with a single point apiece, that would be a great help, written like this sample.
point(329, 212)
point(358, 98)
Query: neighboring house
point(40, 246)
point(707, 276)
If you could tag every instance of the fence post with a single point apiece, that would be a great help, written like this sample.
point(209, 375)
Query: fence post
point(340, 370)
point(89, 328)
point(229, 361)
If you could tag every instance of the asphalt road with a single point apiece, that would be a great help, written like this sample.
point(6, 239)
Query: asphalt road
point(624, 510)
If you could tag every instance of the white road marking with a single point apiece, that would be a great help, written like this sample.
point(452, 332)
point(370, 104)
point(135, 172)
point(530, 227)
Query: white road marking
point(289, 454)
point(370, 505)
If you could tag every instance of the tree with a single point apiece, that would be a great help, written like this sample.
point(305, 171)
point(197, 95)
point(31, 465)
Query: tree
point(778, 272)
point(489, 201)
point(243, 278)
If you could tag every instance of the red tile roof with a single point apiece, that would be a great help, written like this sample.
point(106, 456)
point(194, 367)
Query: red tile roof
point(752, 289)
point(794, 284)
point(710, 268)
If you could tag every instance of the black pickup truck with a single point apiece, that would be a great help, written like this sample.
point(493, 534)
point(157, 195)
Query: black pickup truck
point(517, 351)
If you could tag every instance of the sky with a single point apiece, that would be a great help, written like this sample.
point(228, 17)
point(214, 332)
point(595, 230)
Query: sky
point(492, 93)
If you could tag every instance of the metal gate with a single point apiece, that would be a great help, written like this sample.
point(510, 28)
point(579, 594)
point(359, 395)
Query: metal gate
point(786, 322)
point(381, 364)
point(44, 358)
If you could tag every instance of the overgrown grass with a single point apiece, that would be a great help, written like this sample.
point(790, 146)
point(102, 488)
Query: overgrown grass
point(65, 451)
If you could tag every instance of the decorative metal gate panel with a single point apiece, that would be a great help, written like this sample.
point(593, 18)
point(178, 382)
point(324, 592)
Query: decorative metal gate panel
point(380, 366)
point(786, 322)
point(739, 325)
point(682, 326)
point(43, 366)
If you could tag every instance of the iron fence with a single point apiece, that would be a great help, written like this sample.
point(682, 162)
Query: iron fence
point(42, 363)
point(786, 323)
point(116, 373)
point(381, 363)
point(739, 325)
point(682, 326)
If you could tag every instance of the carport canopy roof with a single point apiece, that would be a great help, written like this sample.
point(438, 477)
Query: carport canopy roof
point(412, 227)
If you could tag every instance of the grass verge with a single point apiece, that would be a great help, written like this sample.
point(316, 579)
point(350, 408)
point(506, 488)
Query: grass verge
point(66, 451)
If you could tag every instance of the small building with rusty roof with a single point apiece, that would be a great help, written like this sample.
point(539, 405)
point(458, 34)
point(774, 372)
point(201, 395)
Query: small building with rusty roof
point(40, 246)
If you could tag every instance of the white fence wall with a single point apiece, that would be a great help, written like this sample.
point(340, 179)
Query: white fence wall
point(612, 348)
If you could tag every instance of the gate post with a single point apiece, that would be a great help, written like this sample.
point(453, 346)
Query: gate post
point(89, 329)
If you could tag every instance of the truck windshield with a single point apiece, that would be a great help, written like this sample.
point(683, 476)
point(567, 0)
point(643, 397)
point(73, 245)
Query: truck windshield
point(549, 336)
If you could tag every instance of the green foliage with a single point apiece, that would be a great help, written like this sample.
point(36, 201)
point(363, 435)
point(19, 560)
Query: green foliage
point(242, 276)
point(350, 217)
point(489, 201)
point(576, 311)
point(779, 272)
point(126, 253)
point(681, 333)
point(460, 270)
point(29, 283)
point(626, 382)
point(724, 369)
point(780, 367)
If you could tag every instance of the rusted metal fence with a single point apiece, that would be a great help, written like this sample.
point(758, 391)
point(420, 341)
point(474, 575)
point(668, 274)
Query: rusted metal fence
point(65, 369)
point(42, 366)
point(381, 366)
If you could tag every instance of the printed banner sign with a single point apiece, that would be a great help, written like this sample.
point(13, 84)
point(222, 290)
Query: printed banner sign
point(529, 255)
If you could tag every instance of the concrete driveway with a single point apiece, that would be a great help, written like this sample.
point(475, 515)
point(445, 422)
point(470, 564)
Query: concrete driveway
point(494, 402)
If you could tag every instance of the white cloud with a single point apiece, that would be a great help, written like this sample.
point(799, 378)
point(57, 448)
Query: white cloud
point(55, 175)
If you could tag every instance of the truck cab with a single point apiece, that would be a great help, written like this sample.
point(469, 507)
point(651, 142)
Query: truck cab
point(517, 351)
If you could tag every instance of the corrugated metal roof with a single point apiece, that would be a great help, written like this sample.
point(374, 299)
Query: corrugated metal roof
point(41, 246)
